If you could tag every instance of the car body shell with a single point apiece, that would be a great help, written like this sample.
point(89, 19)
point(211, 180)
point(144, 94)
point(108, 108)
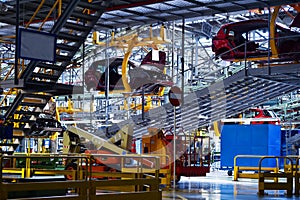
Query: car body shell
point(95, 75)
point(149, 75)
point(230, 45)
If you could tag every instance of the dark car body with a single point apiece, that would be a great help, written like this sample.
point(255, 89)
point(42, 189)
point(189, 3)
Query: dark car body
point(94, 77)
point(149, 75)
point(250, 38)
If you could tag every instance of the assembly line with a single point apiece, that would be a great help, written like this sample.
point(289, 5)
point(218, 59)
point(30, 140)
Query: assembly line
point(149, 99)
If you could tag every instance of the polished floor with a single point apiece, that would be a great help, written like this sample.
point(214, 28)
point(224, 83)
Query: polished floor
point(217, 185)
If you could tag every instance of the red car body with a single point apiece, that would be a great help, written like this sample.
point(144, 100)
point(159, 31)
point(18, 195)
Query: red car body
point(94, 77)
point(236, 41)
point(149, 75)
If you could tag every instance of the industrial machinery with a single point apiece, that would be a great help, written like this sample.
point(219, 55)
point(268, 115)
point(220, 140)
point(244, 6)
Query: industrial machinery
point(254, 116)
point(192, 152)
point(119, 144)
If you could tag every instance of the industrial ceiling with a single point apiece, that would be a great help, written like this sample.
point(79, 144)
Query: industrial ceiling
point(128, 13)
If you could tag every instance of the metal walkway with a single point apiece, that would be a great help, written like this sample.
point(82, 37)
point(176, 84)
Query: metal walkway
point(245, 89)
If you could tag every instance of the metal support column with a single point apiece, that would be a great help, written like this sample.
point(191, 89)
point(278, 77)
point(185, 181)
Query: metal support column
point(182, 62)
point(16, 81)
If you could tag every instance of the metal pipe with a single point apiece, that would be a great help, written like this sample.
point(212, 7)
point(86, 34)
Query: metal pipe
point(182, 62)
point(131, 5)
point(173, 50)
point(174, 150)
point(48, 15)
point(17, 43)
point(35, 13)
point(143, 104)
point(271, 34)
point(59, 8)
point(1, 161)
point(106, 81)
point(196, 56)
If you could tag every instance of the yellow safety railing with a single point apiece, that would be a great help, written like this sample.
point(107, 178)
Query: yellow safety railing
point(84, 189)
point(297, 176)
point(28, 169)
point(35, 13)
point(129, 163)
point(56, 4)
point(115, 185)
point(285, 184)
point(239, 171)
point(165, 169)
point(288, 166)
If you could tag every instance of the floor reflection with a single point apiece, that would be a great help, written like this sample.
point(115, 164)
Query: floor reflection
point(219, 186)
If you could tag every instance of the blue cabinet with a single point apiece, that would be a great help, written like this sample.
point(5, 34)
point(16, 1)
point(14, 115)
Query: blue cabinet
point(258, 139)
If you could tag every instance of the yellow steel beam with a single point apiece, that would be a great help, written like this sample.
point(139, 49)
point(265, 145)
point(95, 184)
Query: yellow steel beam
point(124, 71)
point(100, 142)
point(35, 13)
point(272, 32)
point(48, 15)
point(124, 137)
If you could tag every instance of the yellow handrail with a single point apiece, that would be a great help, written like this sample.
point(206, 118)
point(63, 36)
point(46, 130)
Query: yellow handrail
point(35, 13)
point(237, 167)
point(49, 13)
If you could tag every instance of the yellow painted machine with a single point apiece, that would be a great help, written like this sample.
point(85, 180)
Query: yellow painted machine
point(79, 141)
point(192, 152)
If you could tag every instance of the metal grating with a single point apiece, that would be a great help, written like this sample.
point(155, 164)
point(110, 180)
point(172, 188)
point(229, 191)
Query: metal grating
point(222, 99)
point(161, 6)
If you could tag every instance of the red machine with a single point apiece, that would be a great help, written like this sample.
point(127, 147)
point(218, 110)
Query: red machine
point(192, 152)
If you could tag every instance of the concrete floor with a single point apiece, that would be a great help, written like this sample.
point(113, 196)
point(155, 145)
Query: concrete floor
point(218, 185)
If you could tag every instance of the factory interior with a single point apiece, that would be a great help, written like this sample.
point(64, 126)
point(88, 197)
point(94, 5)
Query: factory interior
point(149, 99)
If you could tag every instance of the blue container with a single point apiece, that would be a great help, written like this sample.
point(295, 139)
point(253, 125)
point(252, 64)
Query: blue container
point(258, 139)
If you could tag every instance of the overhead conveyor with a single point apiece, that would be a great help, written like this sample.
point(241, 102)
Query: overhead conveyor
point(245, 89)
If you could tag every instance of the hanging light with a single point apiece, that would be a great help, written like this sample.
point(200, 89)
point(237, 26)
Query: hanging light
point(27, 125)
point(33, 118)
point(38, 109)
